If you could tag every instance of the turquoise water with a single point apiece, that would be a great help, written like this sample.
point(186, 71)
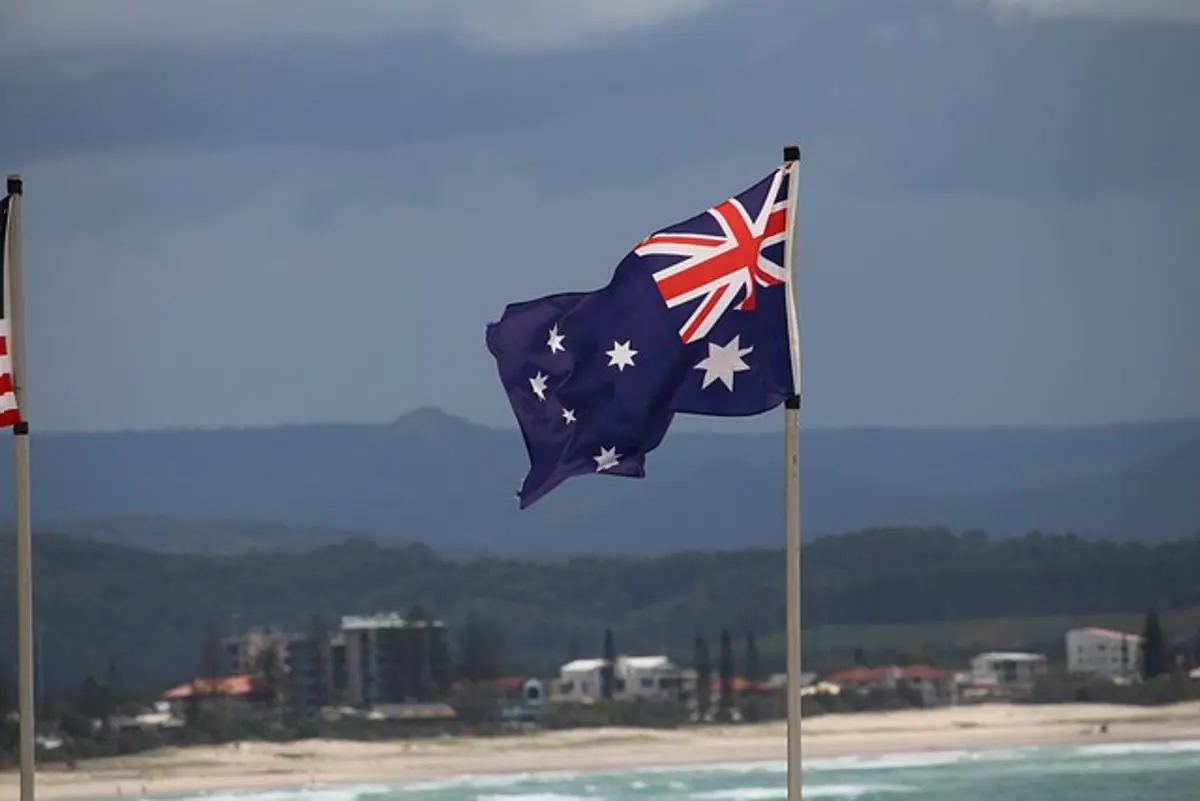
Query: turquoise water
point(1104, 772)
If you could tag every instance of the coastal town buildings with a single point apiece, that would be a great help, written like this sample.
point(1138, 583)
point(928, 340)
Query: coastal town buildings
point(1104, 653)
point(1007, 669)
point(933, 686)
point(634, 678)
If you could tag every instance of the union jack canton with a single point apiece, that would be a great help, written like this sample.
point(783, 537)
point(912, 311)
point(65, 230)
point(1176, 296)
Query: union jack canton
point(693, 321)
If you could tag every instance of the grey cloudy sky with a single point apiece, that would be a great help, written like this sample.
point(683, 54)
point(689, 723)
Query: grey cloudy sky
point(299, 210)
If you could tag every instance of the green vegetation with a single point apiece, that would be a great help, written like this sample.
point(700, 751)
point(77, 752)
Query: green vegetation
point(911, 593)
point(607, 673)
point(1060, 688)
point(1155, 657)
point(954, 642)
point(726, 670)
point(133, 622)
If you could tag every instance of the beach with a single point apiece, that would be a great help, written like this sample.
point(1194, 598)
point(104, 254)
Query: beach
point(288, 765)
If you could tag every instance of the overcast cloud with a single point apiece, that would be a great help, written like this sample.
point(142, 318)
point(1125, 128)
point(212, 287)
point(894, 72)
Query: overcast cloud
point(289, 211)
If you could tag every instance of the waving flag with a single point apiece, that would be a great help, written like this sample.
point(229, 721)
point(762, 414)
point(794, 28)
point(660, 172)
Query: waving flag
point(694, 320)
point(10, 415)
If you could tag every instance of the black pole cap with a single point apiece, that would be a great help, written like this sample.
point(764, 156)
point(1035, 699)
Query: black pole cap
point(15, 185)
point(791, 153)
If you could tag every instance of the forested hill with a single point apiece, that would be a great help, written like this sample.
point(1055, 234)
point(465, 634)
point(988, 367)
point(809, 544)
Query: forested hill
point(150, 612)
point(434, 478)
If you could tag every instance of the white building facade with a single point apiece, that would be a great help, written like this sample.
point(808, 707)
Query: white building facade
point(1104, 653)
point(580, 679)
point(1007, 669)
point(648, 678)
point(634, 678)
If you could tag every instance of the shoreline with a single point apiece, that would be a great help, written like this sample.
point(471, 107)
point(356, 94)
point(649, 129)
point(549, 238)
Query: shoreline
point(295, 765)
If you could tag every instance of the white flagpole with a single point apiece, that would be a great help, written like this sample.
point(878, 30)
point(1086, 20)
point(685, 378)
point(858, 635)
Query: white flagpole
point(15, 299)
point(791, 431)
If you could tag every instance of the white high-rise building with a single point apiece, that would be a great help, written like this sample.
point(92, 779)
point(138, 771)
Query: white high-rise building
point(1104, 653)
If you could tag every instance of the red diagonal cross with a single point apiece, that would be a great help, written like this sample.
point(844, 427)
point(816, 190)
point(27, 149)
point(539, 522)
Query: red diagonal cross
point(723, 265)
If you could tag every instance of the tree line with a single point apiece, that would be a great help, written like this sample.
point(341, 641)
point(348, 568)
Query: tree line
point(145, 611)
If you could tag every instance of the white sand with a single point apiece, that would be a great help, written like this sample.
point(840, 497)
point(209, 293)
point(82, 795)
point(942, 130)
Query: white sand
point(265, 765)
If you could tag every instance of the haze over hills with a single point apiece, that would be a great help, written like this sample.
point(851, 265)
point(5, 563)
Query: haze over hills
point(448, 482)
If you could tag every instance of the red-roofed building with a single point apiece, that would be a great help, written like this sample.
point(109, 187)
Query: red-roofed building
point(228, 686)
point(742, 686)
point(935, 685)
point(234, 695)
point(511, 688)
point(506, 684)
point(518, 697)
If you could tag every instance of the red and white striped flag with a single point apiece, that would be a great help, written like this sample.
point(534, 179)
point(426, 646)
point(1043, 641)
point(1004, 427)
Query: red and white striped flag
point(10, 415)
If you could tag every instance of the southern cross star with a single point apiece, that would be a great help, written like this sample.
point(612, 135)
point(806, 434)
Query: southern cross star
point(621, 355)
point(608, 459)
point(569, 416)
point(722, 362)
point(538, 382)
point(555, 342)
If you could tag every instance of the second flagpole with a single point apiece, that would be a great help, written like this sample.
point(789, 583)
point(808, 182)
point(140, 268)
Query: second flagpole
point(16, 311)
point(791, 432)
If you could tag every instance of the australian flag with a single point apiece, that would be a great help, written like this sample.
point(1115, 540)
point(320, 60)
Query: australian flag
point(694, 320)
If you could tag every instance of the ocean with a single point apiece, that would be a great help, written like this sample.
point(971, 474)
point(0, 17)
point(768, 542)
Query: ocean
point(1168, 771)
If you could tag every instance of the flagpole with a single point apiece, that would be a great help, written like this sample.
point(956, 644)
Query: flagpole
point(791, 432)
point(16, 308)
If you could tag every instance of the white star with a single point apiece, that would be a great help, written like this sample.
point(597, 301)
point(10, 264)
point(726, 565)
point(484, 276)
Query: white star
point(722, 362)
point(608, 459)
point(538, 382)
point(569, 416)
point(555, 343)
point(621, 355)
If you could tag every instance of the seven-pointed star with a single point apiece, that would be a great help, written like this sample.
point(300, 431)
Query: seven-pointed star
point(722, 362)
point(538, 382)
point(569, 416)
point(621, 355)
point(555, 342)
point(608, 459)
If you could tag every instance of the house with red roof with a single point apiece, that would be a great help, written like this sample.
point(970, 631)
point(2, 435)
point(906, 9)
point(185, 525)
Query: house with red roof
point(935, 686)
point(234, 695)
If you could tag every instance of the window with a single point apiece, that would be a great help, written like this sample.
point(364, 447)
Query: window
point(647, 684)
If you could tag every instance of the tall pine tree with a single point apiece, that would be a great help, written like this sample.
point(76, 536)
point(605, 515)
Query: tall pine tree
point(726, 669)
point(860, 656)
point(608, 676)
point(1154, 648)
point(753, 669)
point(318, 634)
point(702, 664)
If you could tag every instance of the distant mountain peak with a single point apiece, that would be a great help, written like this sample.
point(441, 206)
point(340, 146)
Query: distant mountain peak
point(430, 420)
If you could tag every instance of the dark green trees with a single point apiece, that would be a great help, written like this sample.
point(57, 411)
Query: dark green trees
point(702, 664)
point(608, 680)
point(481, 648)
point(726, 670)
point(753, 670)
point(1154, 648)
